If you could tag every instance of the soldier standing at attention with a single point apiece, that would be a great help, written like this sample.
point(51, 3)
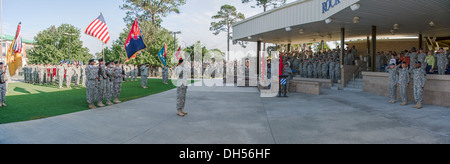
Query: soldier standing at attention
point(117, 82)
point(403, 83)
point(60, 69)
point(420, 78)
point(109, 82)
point(91, 83)
point(3, 80)
point(83, 75)
point(41, 70)
point(127, 72)
point(101, 83)
point(77, 75)
point(69, 74)
point(165, 74)
point(337, 71)
point(181, 88)
point(144, 76)
point(136, 71)
point(332, 69)
point(393, 80)
point(310, 70)
point(324, 69)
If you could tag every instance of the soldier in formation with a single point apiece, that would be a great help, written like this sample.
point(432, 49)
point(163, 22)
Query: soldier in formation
point(420, 78)
point(118, 76)
point(144, 76)
point(403, 83)
point(91, 83)
point(165, 74)
point(393, 80)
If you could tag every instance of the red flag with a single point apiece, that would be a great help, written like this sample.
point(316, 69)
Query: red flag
point(178, 54)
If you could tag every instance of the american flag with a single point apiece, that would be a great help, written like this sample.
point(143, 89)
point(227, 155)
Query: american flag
point(98, 29)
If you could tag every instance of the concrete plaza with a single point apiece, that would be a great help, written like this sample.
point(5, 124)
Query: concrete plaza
point(232, 115)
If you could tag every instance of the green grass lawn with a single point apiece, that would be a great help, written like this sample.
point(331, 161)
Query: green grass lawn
point(29, 102)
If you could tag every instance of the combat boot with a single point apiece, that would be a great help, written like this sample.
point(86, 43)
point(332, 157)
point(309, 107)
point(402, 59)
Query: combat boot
point(419, 105)
point(100, 104)
point(3, 104)
point(109, 103)
point(116, 100)
point(404, 103)
point(92, 106)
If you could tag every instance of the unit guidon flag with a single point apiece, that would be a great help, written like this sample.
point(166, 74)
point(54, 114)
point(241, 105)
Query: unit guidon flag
point(135, 41)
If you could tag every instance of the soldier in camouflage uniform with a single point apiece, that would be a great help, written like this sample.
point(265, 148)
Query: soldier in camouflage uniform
point(332, 69)
point(127, 70)
point(61, 72)
point(101, 83)
point(3, 85)
point(412, 59)
point(144, 76)
point(136, 71)
point(41, 71)
point(442, 61)
point(324, 69)
point(117, 82)
point(305, 68)
point(83, 75)
point(316, 68)
point(181, 88)
point(420, 78)
point(337, 70)
point(421, 57)
point(310, 70)
point(165, 74)
point(109, 83)
point(91, 83)
point(77, 73)
point(393, 80)
point(403, 83)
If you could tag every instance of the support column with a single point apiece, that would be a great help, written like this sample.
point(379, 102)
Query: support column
point(374, 46)
point(341, 57)
point(420, 41)
point(322, 44)
point(258, 59)
point(288, 48)
point(369, 61)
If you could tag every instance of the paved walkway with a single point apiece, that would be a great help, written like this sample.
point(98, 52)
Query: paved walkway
point(232, 115)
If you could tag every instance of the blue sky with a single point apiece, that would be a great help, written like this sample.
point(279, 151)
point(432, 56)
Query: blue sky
point(193, 21)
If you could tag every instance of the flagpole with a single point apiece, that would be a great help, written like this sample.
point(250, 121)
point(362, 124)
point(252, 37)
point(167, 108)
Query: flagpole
point(1, 29)
point(103, 51)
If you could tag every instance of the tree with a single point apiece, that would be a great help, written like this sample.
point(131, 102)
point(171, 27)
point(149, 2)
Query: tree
point(227, 16)
point(206, 54)
point(154, 37)
point(266, 3)
point(150, 10)
point(52, 46)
